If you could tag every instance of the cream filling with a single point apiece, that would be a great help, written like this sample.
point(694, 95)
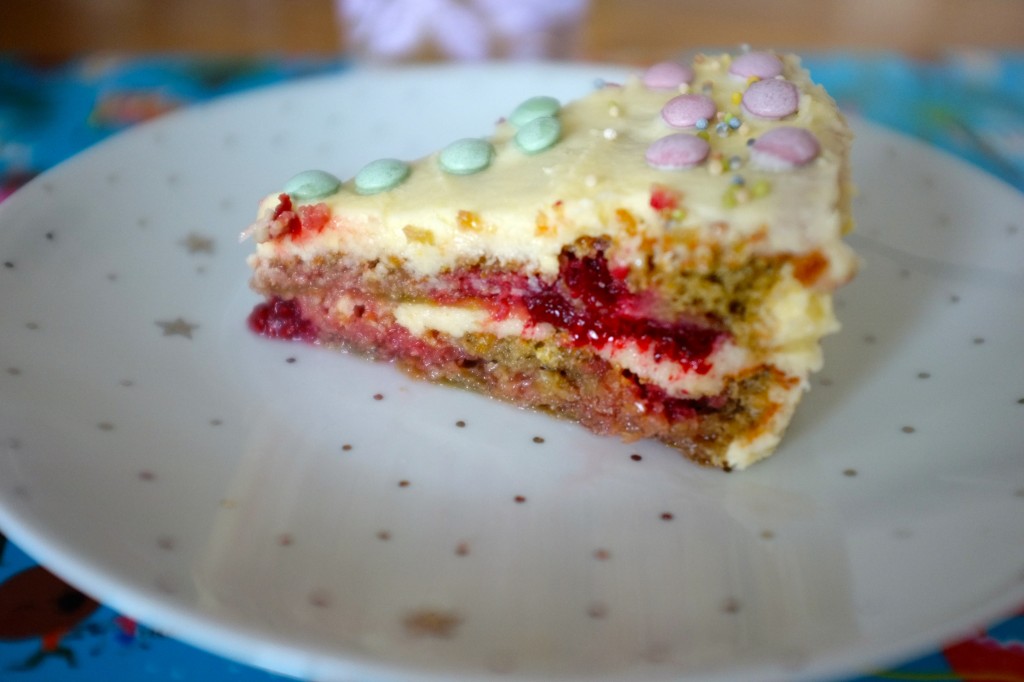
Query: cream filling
point(795, 318)
point(672, 377)
point(457, 321)
point(676, 380)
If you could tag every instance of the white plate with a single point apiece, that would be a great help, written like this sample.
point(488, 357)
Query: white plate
point(197, 478)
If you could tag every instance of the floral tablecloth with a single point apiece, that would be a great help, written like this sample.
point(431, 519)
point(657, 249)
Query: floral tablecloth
point(971, 103)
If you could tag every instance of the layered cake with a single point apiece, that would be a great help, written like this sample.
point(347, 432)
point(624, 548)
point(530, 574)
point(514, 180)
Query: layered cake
point(654, 260)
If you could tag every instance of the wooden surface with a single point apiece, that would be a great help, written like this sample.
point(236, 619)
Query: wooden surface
point(619, 30)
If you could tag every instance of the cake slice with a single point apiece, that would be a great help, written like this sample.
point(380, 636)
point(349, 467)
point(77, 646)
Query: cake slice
point(654, 260)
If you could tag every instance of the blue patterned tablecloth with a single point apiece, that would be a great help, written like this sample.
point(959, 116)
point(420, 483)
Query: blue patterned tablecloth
point(971, 103)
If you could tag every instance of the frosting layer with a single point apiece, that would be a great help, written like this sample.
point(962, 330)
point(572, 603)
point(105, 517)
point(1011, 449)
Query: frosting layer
point(527, 205)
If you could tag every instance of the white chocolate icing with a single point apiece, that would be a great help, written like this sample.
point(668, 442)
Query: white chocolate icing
point(597, 168)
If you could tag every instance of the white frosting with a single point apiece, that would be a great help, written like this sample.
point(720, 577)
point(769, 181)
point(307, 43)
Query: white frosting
point(576, 187)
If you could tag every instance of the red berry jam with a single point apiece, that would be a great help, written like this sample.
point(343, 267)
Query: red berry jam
point(281, 319)
point(679, 409)
point(664, 199)
point(291, 225)
point(592, 306)
point(314, 218)
point(293, 222)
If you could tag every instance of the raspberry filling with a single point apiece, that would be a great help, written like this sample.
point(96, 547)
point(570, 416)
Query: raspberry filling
point(587, 302)
point(294, 223)
point(680, 409)
point(281, 319)
point(290, 225)
point(593, 308)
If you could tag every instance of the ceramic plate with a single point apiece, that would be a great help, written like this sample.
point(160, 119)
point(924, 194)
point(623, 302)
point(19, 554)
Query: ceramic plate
point(315, 514)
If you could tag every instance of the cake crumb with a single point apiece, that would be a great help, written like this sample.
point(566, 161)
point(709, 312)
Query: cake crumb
point(432, 623)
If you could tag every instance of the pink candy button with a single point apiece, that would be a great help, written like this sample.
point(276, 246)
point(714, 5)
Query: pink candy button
point(772, 99)
point(677, 152)
point(685, 110)
point(757, 64)
point(784, 148)
point(667, 76)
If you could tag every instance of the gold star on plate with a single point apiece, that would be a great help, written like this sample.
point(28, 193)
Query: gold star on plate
point(178, 327)
point(197, 243)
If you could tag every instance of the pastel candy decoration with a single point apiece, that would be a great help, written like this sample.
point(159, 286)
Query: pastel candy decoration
point(466, 156)
point(381, 175)
point(312, 184)
point(667, 76)
point(784, 148)
point(535, 107)
point(685, 111)
point(538, 134)
point(677, 152)
point(763, 65)
point(771, 99)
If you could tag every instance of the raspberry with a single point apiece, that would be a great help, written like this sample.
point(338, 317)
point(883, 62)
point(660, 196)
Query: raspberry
point(281, 319)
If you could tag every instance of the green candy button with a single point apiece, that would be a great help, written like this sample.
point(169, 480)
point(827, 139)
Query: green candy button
point(381, 175)
point(312, 184)
point(466, 156)
point(535, 107)
point(538, 134)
